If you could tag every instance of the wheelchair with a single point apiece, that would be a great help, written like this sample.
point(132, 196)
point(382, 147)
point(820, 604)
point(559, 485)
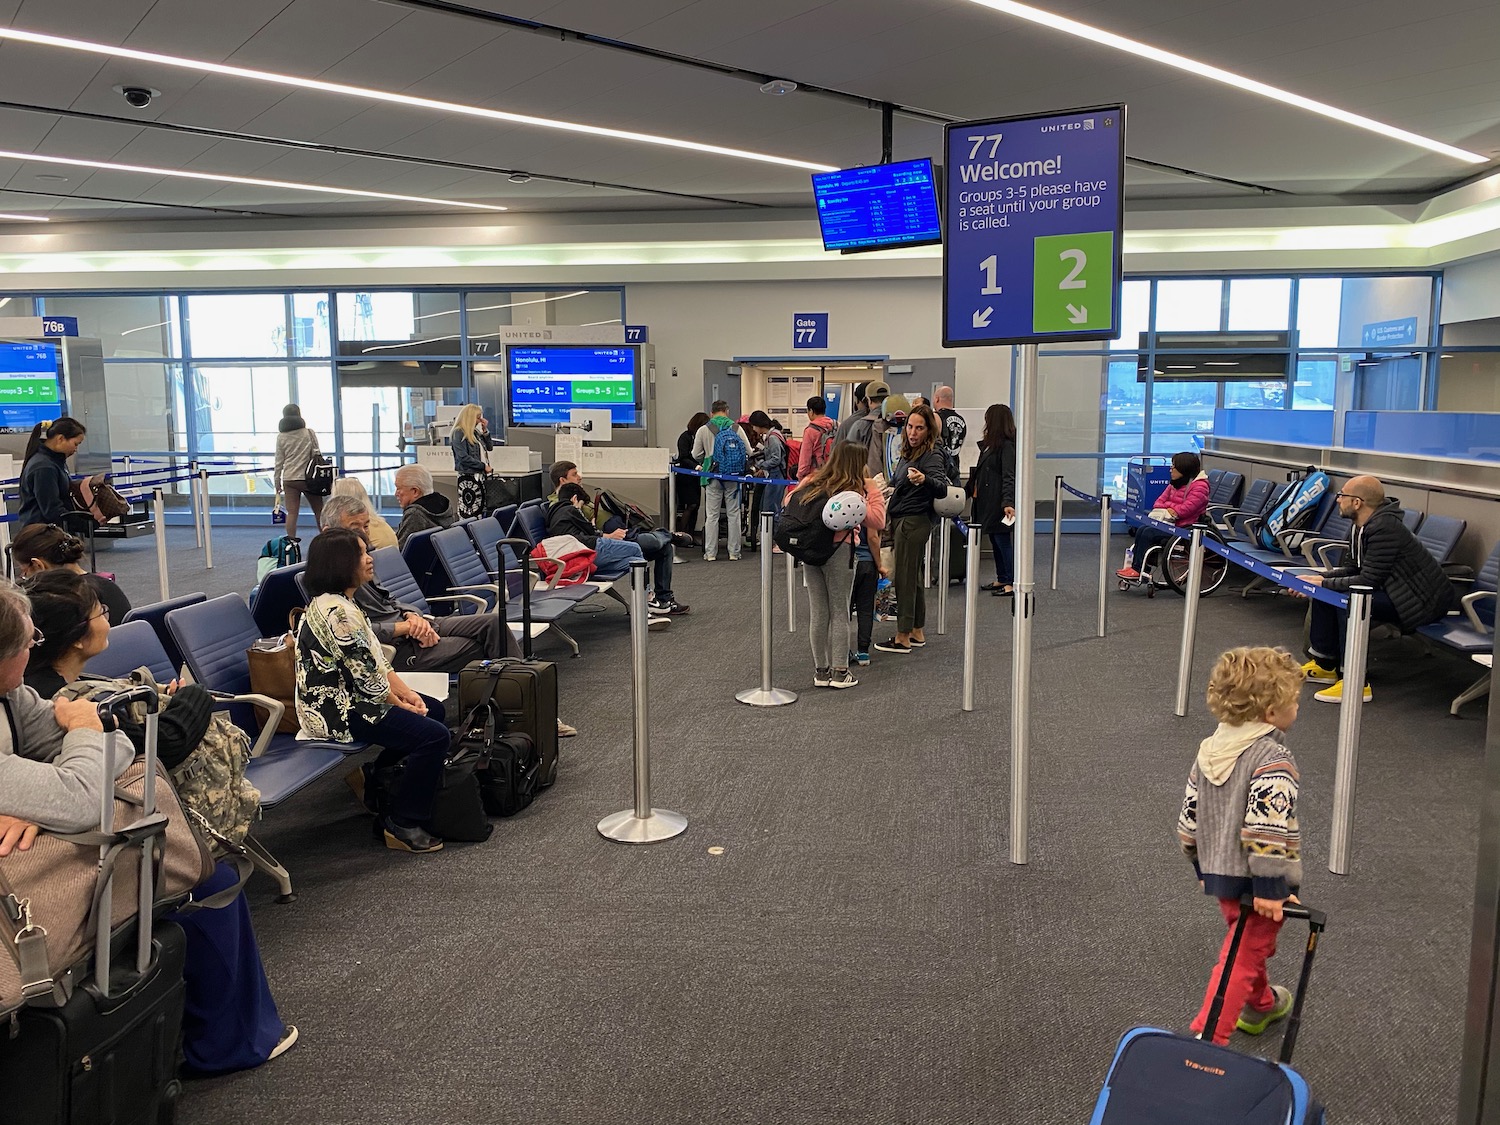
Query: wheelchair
point(1167, 569)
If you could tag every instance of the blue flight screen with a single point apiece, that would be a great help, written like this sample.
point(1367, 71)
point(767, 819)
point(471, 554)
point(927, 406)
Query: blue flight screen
point(878, 207)
point(548, 384)
point(29, 389)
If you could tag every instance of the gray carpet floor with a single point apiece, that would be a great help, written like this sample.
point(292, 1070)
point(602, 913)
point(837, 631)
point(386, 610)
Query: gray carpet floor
point(840, 936)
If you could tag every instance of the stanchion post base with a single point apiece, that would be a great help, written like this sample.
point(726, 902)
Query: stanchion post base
point(766, 697)
point(625, 827)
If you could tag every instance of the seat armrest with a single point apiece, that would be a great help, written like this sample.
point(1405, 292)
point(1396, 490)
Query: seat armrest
point(267, 729)
point(1326, 553)
point(472, 599)
point(1468, 605)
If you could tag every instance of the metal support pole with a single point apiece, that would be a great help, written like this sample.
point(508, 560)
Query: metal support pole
point(672, 512)
point(208, 534)
point(945, 561)
point(1346, 761)
point(144, 887)
point(766, 695)
point(927, 564)
point(106, 906)
point(1056, 525)
point(641, 824)
point(1104, 505)
point(159, 517)
point(1189, 619)
point(1025, 605)
point(971, 611)
point(791, 594)
point(194, 500)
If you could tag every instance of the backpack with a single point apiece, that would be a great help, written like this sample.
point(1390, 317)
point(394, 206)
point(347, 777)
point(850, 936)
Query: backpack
point(210, 781)
point(731, 454)
point(1296, 507)
point(631, 516)
point(801, 532)
point(100, 499)
point(793, 454)
point(318, 479)
point(277, 553)
point(567, 553)
point(512, 767)
point(822, 446)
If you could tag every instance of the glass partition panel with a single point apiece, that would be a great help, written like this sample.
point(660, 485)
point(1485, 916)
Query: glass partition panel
point(1424, 433)
point(236, 325)
point(1388, 382)
point(310, 334)
point(1318, 302)
point(1260, 302)
point(1180, 412)
point(1068, 393)
point(424, 323)
point(239, 406)
point(1189, 305)
point(145, 407)
point(128, 327)
point(1469, 381)
point(1305, 427)
point(1317, 380)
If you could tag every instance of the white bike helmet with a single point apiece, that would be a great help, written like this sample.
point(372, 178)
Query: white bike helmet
point(844, 511)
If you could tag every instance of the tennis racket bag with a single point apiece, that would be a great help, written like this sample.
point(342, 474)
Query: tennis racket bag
point(1163, 1078)
point(1296, 507)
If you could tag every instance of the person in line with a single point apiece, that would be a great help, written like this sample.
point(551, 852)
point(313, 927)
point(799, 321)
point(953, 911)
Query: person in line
point(689, 488)
point(655, 546)
point(422, 509)
point(773, 463)
point(952, 426)
point(722, 495)
point(46, 489)
point(41, 547)
point(296, 446)
point(381, 533)
point(994, 493)
point(1410, 587)
point(230, 1020)
point(887, 430)
point(347, 691)
point(1182, 502)
point(831, 585)
point(1239, 827)
point(442, 644)
point(918, 481)
point(867, 399)
point(869, 569)
point(918, 400)
point(817, 438)
point(470, 441)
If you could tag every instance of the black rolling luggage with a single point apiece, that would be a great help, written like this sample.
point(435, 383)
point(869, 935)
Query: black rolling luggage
point(525, 691)
point(110, 1053)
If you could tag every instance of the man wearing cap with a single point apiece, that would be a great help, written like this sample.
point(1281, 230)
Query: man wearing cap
point(867, 397)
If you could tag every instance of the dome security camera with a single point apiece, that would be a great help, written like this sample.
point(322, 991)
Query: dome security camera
point(137, 97)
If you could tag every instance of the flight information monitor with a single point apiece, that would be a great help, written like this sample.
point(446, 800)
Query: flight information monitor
point(879, 207)
point(548, 383)
point(30, 391)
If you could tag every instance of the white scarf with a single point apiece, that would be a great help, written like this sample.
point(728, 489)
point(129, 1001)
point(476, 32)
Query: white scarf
point(1218, 753)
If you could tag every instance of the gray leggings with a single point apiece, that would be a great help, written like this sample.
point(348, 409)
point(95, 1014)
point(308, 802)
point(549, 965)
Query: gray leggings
point(828, 590)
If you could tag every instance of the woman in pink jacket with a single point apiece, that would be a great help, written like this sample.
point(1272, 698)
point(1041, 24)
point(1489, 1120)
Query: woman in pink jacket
point(1182, 502)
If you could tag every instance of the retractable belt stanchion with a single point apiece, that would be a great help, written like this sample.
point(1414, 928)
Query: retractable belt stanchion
point(208, 534)
point(159, 517)
point(1346, 767)
point(1104, 506)
point(945, 562)
point(971, 611)
point(1056, 525)
point(791, 594)
point(765, 695)
point(1189, 620)
point(1025, 606)
point(672, 511)
point(927, 564)
point(642, 824)
point(194, 500)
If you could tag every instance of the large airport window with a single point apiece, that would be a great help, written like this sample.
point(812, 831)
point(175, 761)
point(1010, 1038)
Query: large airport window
point(1364, 312)
point(127, 327)
point(238, 407)
point(404, 323)
point(1257, 303)
point(235, 325)
point(1316, 383)
point(1190, 305)
point(145, 407)
point(1388, 381)
point(310, 334)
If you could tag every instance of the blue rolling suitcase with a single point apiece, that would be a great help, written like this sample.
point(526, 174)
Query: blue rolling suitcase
point(1163, 1078)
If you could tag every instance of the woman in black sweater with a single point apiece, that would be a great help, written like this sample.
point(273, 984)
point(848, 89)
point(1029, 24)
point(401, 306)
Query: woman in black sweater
point(689, 488)
point(918, 479)
point(46, 490)
point(995, 493)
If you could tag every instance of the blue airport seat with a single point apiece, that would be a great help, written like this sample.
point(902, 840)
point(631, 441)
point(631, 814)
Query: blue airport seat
point(1471, 631)
point(486, 534)
point(1440, 535)
point(279, 595)
point(466, 573)
point(506, 517)
point(422, 561)
point(134, 645)
point(155, 615)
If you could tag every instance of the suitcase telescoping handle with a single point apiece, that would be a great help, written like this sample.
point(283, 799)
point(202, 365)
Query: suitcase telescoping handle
point(1317, 922)
point(147, 829)
point(523, 556)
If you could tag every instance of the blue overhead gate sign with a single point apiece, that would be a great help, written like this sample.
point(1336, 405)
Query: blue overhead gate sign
point(1033, 211)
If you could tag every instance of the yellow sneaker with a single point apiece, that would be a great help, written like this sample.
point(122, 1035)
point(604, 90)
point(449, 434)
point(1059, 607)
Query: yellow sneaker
point(1335, 694)
point(1317, 674)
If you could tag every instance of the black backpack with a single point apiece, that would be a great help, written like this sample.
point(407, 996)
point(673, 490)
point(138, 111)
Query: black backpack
point(508, 779)
point(318, 480)
point(800, 531)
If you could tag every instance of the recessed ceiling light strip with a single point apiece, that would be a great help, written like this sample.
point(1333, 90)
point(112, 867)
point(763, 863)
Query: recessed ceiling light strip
point(394, 98)
point(215, 177)
point(9, 218)
point(1229, 78)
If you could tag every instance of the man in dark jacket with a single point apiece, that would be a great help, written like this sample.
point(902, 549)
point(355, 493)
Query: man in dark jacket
point(1410, 587)
point(421, 507)
point(566, 516)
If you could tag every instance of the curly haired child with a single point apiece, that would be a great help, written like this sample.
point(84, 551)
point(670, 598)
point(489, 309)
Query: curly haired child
point(1239, 826)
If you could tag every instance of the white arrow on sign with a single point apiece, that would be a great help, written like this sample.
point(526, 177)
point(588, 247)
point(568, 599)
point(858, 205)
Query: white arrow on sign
point(1078, 314)
point(982, 319)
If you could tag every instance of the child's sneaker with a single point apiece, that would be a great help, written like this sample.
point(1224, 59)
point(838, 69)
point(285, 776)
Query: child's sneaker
point(860, 659)
point(821, 676)
point(1318, 674)
point(1335, 694)
point(841, 678)
point(1253, 1022)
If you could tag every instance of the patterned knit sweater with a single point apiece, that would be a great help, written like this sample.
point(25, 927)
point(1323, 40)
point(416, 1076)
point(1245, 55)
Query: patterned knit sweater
point(1242, 835)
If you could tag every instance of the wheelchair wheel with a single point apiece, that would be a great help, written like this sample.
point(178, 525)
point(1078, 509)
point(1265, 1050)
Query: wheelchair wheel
point(1175, 568)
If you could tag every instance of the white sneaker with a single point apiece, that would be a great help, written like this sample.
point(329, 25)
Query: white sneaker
point(657, 624)
point(284, 1044)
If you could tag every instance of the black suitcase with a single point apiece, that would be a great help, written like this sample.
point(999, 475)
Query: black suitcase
point(524, 690)
point(110, 1053)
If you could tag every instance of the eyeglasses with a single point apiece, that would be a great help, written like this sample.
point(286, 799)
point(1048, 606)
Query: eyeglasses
point(103, 612)
point(1347, 496)
point(37, 638)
